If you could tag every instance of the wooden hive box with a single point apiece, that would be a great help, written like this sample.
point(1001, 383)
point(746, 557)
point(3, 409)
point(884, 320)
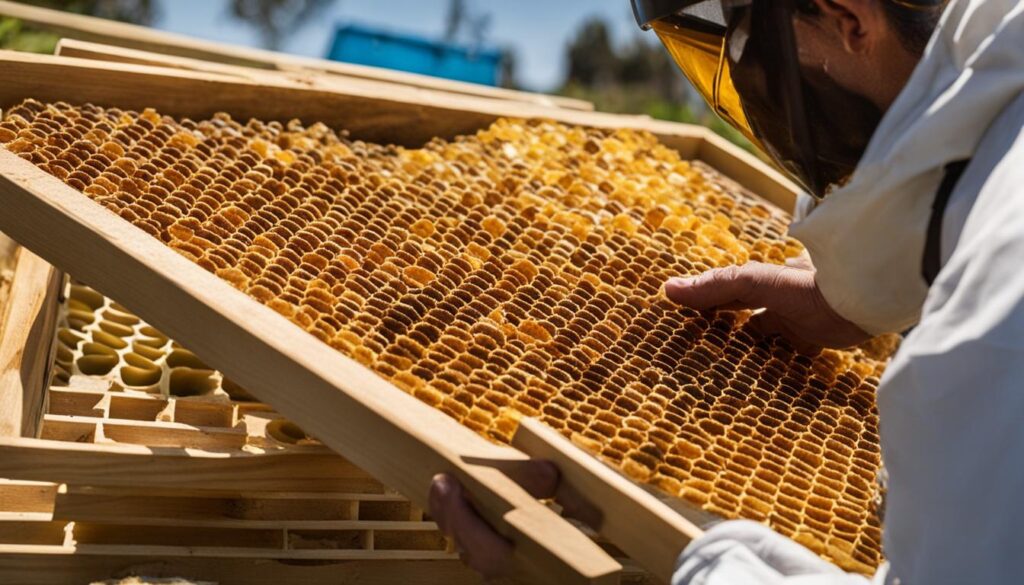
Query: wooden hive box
point(404, 456)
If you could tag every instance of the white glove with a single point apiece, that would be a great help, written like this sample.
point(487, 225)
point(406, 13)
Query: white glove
point(741, 552)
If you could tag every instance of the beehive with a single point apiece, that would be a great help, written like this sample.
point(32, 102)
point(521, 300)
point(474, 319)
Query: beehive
point(514, 272)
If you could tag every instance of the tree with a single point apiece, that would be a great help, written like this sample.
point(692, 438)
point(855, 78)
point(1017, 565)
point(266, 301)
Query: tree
point(455, 19)
point(648, 64)
point(273, 19)
point(509, 69)
point(592, 59)
point(462, 22)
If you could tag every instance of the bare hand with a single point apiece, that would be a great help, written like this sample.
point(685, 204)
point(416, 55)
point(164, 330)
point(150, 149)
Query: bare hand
point(794, 306)
point(479, 545)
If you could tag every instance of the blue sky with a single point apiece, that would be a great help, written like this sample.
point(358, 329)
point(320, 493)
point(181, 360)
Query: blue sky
point(537, 29)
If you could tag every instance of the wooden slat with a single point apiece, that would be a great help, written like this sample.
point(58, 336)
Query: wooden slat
point(79, 49)
point(224, 552)
point(151, 433)
point(392, 435)
point(146, 39)
point(639, 524)
point(27, 328)
point(8, 247)
point(380, 496)
point(27, 497)
point(95, 516)
point(46, 566)
point(175, 468)
point(403, 116)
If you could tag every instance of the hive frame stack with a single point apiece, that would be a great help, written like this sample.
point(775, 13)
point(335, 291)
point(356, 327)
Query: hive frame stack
point(458, 114)
point(111, 520)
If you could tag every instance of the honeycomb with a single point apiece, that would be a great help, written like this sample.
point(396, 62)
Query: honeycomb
point(100, 341)
point(515, 272)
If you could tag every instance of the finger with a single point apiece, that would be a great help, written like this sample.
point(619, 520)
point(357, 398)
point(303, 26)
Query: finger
point(769, 324)
point(751, 286)
point(483, 549)
point(539, 478)
point(438, 500)
point(575, 505)
point(803, 261)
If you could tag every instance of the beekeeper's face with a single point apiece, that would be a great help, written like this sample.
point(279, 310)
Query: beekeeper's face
point(807, 80)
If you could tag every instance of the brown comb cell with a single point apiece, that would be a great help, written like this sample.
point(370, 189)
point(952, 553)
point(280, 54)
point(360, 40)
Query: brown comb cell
point(513, 272)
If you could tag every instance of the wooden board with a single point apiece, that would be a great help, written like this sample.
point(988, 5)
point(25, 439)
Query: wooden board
point(342, 403)
point(146, 39)
point(648, 531)
point(27, 324)
point(7, 249)
point(8, 258)
point(174, 467)
point(79, 49)
point(133, 521)
point(404, 116)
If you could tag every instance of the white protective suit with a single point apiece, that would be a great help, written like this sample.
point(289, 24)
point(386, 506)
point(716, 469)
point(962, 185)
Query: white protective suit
point(952, 401)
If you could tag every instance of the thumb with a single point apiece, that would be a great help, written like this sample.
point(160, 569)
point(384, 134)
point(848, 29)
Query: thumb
point(751, 286)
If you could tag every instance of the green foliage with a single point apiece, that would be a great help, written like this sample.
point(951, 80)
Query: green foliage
point(592, 61)
point(14, 36)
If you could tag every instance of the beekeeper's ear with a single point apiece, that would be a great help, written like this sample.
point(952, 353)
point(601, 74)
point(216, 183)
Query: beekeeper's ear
point(859, 23)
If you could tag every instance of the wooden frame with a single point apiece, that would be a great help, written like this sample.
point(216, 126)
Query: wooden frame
point(146, 39)
point(412, 440)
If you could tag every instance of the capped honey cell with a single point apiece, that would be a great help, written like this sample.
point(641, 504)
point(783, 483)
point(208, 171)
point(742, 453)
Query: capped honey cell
point(512, 272)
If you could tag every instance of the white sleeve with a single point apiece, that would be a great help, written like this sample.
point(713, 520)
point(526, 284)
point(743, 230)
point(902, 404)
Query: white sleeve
point(803, 206)
point(746, 553)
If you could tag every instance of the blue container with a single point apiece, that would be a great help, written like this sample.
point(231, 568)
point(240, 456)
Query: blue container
point(376, 48)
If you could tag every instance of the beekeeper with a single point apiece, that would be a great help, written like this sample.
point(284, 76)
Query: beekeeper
point(903, 118)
